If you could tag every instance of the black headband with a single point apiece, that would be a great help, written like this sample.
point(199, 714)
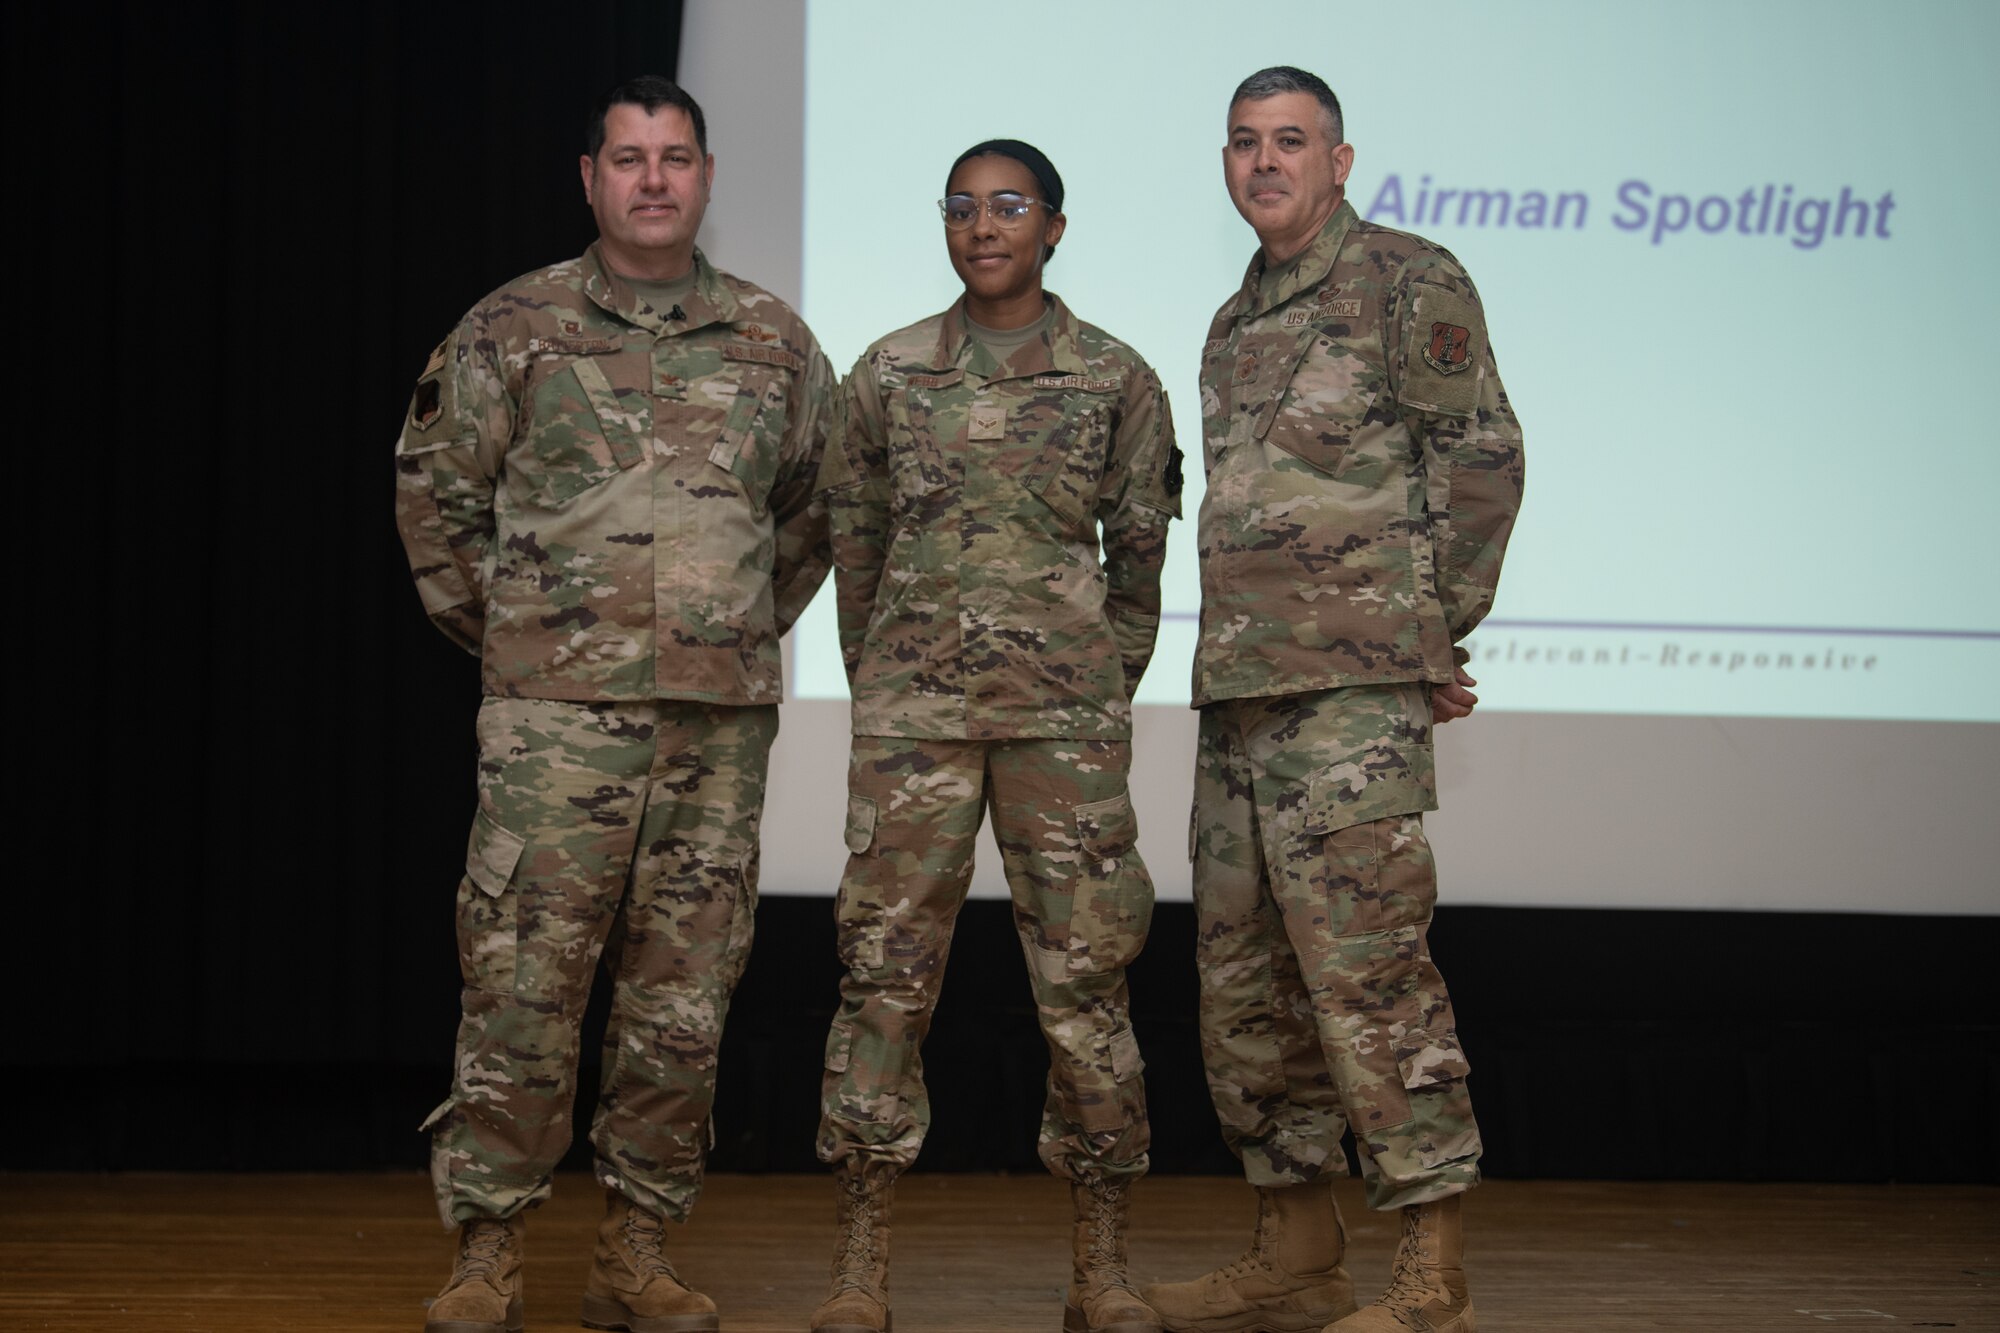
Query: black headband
point(1029, 156)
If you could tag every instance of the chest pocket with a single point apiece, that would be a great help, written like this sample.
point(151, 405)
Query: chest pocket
point(582, 431)
point(1313, 399)
point(1071, 467)
point(753, 434)
point(916, 455)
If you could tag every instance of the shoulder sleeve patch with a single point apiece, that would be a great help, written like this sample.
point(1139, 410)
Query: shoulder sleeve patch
point(430, 403)
point(1443, 352)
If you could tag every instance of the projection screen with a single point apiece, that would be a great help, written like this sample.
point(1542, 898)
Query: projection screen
point(1731, 262)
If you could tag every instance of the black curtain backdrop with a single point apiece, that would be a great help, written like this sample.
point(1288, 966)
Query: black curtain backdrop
point(248, 758)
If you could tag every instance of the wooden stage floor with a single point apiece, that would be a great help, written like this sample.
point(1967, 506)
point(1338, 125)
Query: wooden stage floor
point(360, 1253)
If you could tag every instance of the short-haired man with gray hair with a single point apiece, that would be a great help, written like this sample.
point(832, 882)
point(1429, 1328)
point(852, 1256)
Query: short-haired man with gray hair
point(1364, 469)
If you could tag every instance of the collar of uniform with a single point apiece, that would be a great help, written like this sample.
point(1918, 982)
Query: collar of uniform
point(1055, 352)
point(1313, 266)
point(709, 302)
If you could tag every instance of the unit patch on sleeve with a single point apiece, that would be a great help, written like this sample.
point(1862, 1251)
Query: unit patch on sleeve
point(1450, 348)
point(1444, 338)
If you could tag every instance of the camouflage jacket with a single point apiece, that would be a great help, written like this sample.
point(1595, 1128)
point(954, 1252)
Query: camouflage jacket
point(966, 498)
point(604, 501)
point(1363, 465)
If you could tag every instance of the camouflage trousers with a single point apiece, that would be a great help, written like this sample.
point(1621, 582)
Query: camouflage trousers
point(626, 830)
point(1082, 906)
point(1313, 889)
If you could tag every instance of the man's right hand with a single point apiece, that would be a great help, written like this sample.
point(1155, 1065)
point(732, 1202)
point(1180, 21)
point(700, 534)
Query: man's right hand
point(1453, 700)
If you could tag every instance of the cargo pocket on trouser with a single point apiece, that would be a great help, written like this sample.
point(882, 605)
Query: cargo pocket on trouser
point(1362, 847)
point(488, 906)
point(1439, 1141)
point(858, 913)
point(1094, 1071)
point(1112, 908)
point(863, 1109)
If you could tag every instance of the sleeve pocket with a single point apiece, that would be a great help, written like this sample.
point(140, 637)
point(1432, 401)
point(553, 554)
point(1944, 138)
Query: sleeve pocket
point(1445, 352)
point(491, 855)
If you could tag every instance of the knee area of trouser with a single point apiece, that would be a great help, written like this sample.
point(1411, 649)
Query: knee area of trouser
point(876, 934)
point(1081, 937)
point(1384, 1014)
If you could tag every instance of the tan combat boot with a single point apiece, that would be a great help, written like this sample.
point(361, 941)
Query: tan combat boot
point(631, 1285)
point(1290, 1281)
point(484, 1294)
point(1101, 1299)
point(1427, 1288)
point(859, 1302)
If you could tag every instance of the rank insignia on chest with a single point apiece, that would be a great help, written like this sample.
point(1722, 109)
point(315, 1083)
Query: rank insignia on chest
point(1450, 348)
point(988, 423)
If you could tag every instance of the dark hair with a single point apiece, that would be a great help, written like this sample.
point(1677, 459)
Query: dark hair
point(1047, 179)
point(1288, 79)
point(651, 92)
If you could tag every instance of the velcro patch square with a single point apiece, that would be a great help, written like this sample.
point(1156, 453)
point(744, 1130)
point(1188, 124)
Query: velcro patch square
point(988, 423)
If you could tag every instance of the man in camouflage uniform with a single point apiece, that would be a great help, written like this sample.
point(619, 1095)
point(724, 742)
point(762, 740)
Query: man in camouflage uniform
point(993, 660)
point(1364, 469)
point(605, 486)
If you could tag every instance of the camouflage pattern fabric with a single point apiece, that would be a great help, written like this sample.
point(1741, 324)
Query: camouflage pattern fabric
point(1364, 468)
point(626, 829)
point(1313, 887)
point(967, 497)
point(608, 501)
point(1082, 906)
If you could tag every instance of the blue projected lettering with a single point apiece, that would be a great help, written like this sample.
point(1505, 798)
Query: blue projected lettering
point(1767, 210)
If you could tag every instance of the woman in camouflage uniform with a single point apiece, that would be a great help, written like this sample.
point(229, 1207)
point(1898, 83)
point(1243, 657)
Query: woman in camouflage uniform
point(987, 455)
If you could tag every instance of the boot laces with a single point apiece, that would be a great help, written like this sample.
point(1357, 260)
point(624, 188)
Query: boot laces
point(1410, 1285)
point(646, 1237)
point(854, 1266)
point(1105, 1251)
point(1256, 1259)
point(479, 1251)
point(1107, 1235)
